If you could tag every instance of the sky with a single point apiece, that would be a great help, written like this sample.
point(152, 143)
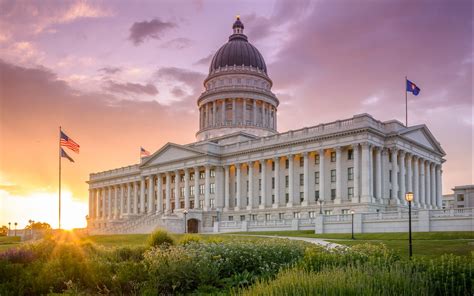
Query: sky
point(117, 75)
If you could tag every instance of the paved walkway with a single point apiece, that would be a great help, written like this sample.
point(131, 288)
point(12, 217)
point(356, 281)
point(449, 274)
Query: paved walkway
point(316, 241)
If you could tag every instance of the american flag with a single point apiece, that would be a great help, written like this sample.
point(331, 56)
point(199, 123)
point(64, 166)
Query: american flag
point(67, 142)
point(144, 152)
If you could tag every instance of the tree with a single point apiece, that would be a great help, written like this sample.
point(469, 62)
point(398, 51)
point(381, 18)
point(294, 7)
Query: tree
point(3, 230)
point(38, 225)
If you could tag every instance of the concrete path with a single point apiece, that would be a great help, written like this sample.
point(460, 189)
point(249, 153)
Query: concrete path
point(316, 241)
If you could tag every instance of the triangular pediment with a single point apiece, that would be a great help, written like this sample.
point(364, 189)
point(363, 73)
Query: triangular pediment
point(422, 136)
point(171, 152)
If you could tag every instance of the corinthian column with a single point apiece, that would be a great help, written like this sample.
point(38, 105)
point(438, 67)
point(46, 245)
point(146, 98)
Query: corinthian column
point(168, 193)
point(151, 195)
point(142, 196)
point(129, 197)
point(337, 200)
point(207, 179)
point(355, 149)
point(439, 185)
point(433, 186)
point(416, 182)
point(122, 199)
point(409, 173)
point(395, 195)
point(322, 178)
point(176, 190)
point(196, 187)
point(291, 182)
point(365, 181)
point(378, 174)
point(263, 192)
point(250, 189)
point(422, 184)
point(254, 112)
point(305, 179)
point(226, 188)
point(159, 195)
point(428, 185)
point(276, 204)
point(402, 177)
point(186, 188)
point(239, 187)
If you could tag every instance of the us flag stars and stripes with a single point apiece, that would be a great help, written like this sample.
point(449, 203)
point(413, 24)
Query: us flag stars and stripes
point(143, 152)
point(67, 142)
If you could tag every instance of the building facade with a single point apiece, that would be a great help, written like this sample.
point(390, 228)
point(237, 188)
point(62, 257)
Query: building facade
point(242, 169)
point(462, 197)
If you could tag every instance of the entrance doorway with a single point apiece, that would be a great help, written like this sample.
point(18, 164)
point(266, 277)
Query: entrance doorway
point(193, 225)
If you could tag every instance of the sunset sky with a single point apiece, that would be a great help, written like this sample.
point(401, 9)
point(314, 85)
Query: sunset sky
point(118, 75)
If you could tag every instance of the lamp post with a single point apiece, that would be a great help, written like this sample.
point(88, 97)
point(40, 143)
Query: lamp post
point(409, 198)
point(352, 221)
point(9, 228)
point(15, 227)
point(185, 212)
point(320, 206)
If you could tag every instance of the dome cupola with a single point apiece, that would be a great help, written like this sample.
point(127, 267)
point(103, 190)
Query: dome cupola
point(238, 93)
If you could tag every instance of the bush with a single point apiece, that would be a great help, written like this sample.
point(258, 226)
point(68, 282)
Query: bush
point(160, 237)
point(190, 238)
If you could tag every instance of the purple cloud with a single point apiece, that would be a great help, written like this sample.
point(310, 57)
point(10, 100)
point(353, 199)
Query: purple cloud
point(131, 88)
point(140, 31)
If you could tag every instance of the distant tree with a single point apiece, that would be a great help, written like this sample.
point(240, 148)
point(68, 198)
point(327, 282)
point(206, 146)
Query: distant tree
point(3, 230)
point(38, 225)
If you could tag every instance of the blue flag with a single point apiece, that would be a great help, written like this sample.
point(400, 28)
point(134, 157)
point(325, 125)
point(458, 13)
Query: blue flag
point(64, 154)
point(411, 87)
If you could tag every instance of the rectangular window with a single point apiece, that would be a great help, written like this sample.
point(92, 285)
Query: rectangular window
point(212, 172)
point(212, 188)
point(350, 174)
point(235, 187)
point(273, 166)
point(259, 167)
point(247, 201)
point(333, 176)
point(296, 215)
point(350, 192)
point(316, 195)
point(231, 218)
point(267, 217)
point(350, 154)
point(181, 204)
point(191, 204)
point(253, 217)
point(301, 196)
point(273, 182)
point(316, 159)
point(259, 184)
point(172, 192)
point(211, 202)
point(287, 198)
point(242, 217)
point(333, 156)
point(287, 181)
point(172, 179)
point(181, 178)
point(273, 199)
point(327, 212)
point(287, 163)
point(201, 189)
point(191, 176)
point(281, 216)
point(202, 175)
point(181, 192)
point(316, 177)
point(201, 204)
point(259, 199)
point(345, 211)
point(247, 184)
point(390, 175)
point(301, 161)
point(390, 193)
point(191, 190)
point(312, 214)
point(301, 179)
point(333, 193)
point(460, 197)
point(390, 157)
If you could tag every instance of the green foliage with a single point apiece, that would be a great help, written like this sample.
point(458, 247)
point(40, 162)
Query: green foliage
point(160, 237)
point(189, 238)
point(370, 270)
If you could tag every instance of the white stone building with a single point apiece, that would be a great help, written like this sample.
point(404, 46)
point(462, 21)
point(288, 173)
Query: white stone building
point(242, 169)
point(462, 197)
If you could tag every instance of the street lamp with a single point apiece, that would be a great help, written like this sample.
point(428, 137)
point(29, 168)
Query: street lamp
point(409, 198)
point(320, 206)
point(352, 220)
point(9, 228)
point(185, 212)
point(15, 227)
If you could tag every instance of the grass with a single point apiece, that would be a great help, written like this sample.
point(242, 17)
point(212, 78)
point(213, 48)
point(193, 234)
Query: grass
point(7, 242)
point(426, 244)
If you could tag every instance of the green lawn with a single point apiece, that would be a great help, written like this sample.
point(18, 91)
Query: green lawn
point(7, 242)
point(428, 244)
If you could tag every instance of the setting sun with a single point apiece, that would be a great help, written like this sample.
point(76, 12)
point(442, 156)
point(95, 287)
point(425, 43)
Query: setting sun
point(42, 206)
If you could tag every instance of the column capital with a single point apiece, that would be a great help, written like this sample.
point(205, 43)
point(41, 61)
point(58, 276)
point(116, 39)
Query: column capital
point(402, 152)
point(290, 156)
point(355, 145)
point(321, 151)
point(365, 144)
point(196, 168)
point(249, 163)
point(394, 149)
point(305, 154)
point(338, 148)
point(176, 172)
point(276, 158)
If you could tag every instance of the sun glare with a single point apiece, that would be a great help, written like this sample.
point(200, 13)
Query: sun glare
point(42, 207)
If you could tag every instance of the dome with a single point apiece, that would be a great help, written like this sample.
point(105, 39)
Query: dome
point(238, 51)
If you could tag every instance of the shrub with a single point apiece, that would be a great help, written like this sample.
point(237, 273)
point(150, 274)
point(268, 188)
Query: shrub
point(189, 238)
point(160, 237)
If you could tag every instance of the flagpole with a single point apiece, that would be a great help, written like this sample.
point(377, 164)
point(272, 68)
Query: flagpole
point(59, 223)
point(406, 103)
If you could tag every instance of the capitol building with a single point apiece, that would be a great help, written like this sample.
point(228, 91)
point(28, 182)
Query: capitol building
point(242, 171)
